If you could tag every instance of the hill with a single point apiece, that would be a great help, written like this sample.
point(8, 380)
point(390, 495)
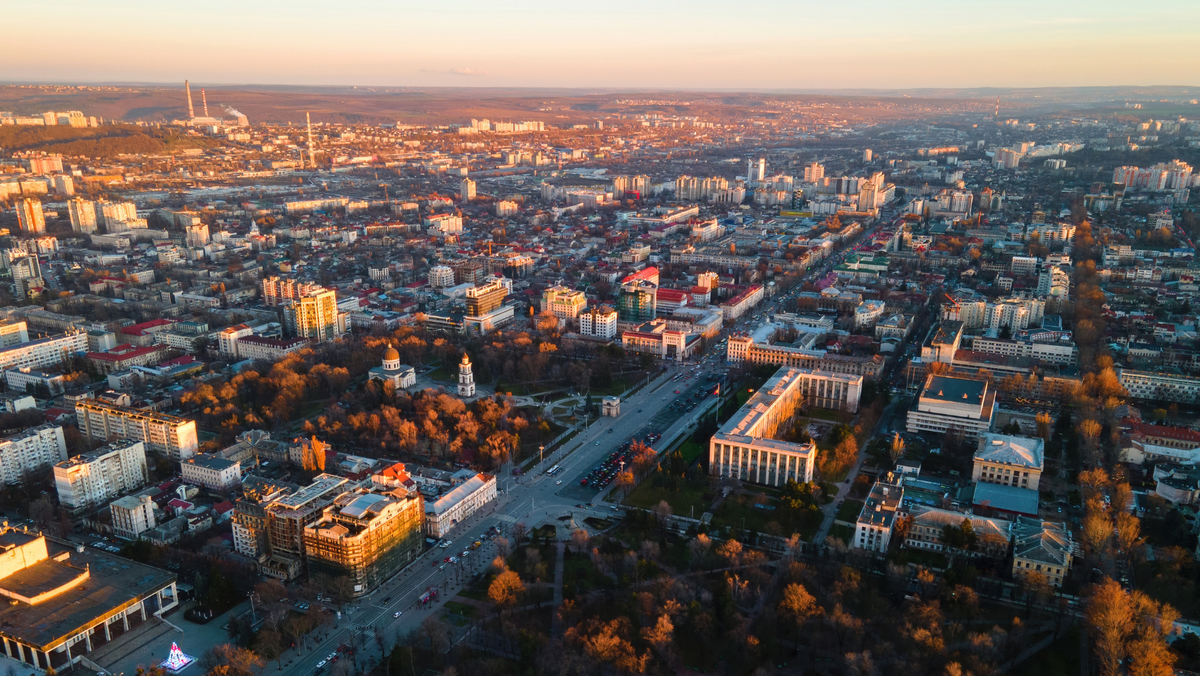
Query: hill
point(106, 141)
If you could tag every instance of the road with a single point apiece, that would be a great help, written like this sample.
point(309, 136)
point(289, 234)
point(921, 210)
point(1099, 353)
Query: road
point(533, 499)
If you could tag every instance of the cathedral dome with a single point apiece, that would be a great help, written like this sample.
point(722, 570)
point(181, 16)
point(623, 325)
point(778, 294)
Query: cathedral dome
point(391, 354)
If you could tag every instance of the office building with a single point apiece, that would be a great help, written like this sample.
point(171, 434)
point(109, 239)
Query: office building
point(1009, 460)
point(485, 298)
point(65, 600)
point(212, 472)
point(132, 515)
point(29, 451)
point(458, 504)
point(637, 301)
point(657, 338)
point(165, 434)
point(564, 303)
point(367, 535)
point(599, 322)
point(92, 479)
point(83, 216)
point(288, 516)
point(1042, 547)
point(30, 217)
point(743, 348)
point(1156, 386)
point(873, 530)
point(314, 316)
point(744, 447)
point(950, 403)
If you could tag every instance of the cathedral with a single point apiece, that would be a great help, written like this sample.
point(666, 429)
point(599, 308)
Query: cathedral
point(392, 371)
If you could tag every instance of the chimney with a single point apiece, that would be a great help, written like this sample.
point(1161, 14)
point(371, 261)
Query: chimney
point(204, 101)
point(188, 88)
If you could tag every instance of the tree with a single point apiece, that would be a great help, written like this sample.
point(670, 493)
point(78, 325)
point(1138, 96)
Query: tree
point(231, 660)
point(896, 449)
point(797, 606)
point(698, 548)
point(1127, 531)
point(1110, 617)
point(731, 552)
point(270, 644)
point(506, 589)
point(1036, 588)
point(1097, 529)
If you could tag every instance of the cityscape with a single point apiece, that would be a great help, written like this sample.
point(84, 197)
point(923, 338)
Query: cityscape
point(498, 370)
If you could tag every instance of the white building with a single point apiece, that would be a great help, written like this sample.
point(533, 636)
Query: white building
point(949, 403)
point(458, 504)
point(83, 216)
point(868, 313)
point(211, 472)
point(441, 276)
point(599, 322)
point(92, 479)
point(30, 450)
point(466, 379)
point(38, 354)
point(392, 371)
point(132, 516)
point(873, 530)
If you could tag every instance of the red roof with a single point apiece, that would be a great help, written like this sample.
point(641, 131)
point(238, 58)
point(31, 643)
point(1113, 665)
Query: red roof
point(123, 352)
point(1166, 432)
point(671, 295)
point(140, 329)
point(647, 274)
point(222, 507)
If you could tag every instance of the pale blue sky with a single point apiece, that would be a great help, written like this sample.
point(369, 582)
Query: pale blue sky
point(608, 43)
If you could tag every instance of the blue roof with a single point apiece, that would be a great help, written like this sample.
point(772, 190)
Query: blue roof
point(1006, 498)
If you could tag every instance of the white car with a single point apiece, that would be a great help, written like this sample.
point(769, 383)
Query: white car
point(321, 663)
point(558, 482)
point(399, 613)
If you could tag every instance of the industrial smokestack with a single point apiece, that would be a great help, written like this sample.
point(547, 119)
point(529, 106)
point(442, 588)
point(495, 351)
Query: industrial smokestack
point(188, 88)
point(204, 101)
point(312, 161)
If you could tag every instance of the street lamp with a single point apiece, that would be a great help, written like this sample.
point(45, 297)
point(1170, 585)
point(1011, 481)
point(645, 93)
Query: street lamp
point(541, 449)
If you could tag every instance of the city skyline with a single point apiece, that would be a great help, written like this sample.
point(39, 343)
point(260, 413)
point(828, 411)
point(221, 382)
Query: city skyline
point(765, 45)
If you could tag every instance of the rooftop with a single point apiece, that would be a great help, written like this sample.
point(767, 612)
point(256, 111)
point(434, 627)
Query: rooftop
point(955, 390)
point(1005, 449)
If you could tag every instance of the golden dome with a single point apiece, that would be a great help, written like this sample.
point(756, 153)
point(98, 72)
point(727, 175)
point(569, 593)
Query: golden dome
point(391, 354)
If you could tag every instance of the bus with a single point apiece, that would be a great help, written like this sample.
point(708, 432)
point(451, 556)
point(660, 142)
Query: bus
point(554, 470)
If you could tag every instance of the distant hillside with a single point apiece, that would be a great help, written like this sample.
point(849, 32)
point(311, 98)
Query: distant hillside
point(106, 141)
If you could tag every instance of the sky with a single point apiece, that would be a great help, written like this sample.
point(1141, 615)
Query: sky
point(683, 44)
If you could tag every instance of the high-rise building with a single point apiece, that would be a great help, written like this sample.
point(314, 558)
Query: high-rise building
point(166, 434)
point(26, 269)
point(564, 303)
point(30, 450)
point(287, 518)
point(814, 172)
point(599, 322)
point(637, 301)
point(132, 516)
point(112, 214)
point(868, 155)
point(250, 514)
point(64, 185)
point(314, 316)
point(441, 276)
point(486, 297)
point(277, 290)
point(83, 215)
point(368, 535)
point(30, 216)
point(466, 189)
point(197, 235)
point(92, 479)
point(466, 379)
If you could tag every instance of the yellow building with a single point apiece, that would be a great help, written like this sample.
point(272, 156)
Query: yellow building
point(368, 535)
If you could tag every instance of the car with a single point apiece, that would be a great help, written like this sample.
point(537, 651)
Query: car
point(322, 663)
point(597, 443)
point(453, 559)
point(583, 482)
point(558, 482)
point(435, 563)
point(465, 553)
point(443, 566)
point(398, 613)
point(475, 544)
point(446, 560)
point(331, 656)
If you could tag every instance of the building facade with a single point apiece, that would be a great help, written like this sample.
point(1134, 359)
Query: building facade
point(211, 472)
point(166, 434)
point(1009, 460)
point(29, 451)
point(458, 504)
point(132, 516)
point(92, 479)
point(563, 303)
point(946, 403)
point(367, 535)
point(873, 530)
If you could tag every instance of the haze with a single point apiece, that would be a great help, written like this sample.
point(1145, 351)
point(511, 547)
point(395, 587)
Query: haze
point(673, 43)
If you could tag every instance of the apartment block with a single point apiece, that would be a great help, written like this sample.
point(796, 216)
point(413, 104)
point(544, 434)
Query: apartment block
point(92, 479)
point(132, 516)
point(29, 451)
point(166, 434)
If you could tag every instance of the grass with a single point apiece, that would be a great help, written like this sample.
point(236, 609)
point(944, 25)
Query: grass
point(691, 450)
point(849, 511)
point(682, 502)
point(460, 608)
point(843, 533)
point(1060, 658)
point(823, 414)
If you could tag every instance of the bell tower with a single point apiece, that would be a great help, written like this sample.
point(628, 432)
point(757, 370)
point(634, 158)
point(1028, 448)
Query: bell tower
point(466, 380)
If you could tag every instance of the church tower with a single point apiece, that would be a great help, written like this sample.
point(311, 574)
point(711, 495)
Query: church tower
point(466, 381)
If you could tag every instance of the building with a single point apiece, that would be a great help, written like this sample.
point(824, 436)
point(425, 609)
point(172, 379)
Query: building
point(250, 515)
point(64, 600)
point(92, 479)
point(873, 530)
point(599, 322)
point(83, 216)
point(485, 298)
point(1042, 547)
point(30, 217)
point(950, 403)
point(212, 472)
point(267, 349)
point(1009, 460)
point(738, 305)
point(744, 447)
point(1152, 386)
point(743, 348)
point(166, 434)
point(13, 333)
point(127, 355)
point(637, 301)
point(929, 525)
point(563, 303)
point(277, 291)
point(44, 352)
point(441, 276)
point(610, 407)
point(314, 316)
point(368, 535)
point(288, 516)
point(466, 189)
point(654, 337)
point(392, 371)
point(466, 379)
point(29, 451)
point(458, 504)
point(132, 515)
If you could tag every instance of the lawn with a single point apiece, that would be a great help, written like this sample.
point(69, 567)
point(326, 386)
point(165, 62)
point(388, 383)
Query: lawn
point(824, 414)
point(849, 511)
point(1060, 658)
point(456, 608)
point(843, 533)
point(690, 450)
point(684, 502)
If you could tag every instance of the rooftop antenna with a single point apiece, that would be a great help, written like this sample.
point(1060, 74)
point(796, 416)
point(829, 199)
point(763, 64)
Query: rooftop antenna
point(204, 101)
point(311, 158)
point(188, 88)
